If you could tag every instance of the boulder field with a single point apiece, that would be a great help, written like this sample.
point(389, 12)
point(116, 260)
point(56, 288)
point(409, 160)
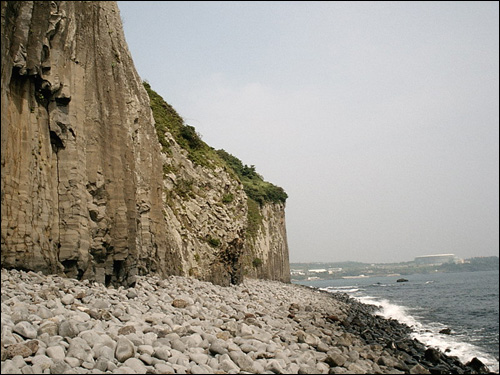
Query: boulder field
point(57, 325)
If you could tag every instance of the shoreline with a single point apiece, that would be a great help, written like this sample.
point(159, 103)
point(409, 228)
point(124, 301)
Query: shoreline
point(58, 325)
point(404, 328)
point(449, 324)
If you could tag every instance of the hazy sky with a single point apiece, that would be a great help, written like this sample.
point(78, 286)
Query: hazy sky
point(379, 119)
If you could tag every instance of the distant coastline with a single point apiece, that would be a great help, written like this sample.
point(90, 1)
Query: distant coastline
point(342, 270)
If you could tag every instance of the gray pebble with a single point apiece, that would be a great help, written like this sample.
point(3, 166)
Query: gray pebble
point(59, 367)
point(196, 369)
point(29, 370)
point(43, 361)
point(68, 299)
point(244, 362)
point(8, 367)
point(103, 351)
point(101, 304)
point(131, 293)
point(25, 329)
point(101, 364)
point(56, 353)
point(68, 328)
point(146, 358)
point(50, 327)
point(136, 364)
point(177, 344)
point(161, 353)
point(124, 370)
point(217, 348)
point(78, 348)
point(163, 368)
point(72, 361)
point(18, 361)
point(199, 358)
point(124, 350)
point(305, 369)
point(146, 349)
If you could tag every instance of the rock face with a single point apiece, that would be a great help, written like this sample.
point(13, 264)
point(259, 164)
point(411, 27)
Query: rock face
point(79, 154)
point(267, 253)
point(87, 189)
point(206, 232)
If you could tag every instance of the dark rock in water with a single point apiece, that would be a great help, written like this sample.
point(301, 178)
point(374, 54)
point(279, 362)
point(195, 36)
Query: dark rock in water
point(391, 345)
point(478, 366)
point(446, 331)
point(401, 280)
point(432, 355)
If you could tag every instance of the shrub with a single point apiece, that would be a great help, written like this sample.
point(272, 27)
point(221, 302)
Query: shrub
point(167, 169)
point(214, 242)
point(257, 262)
point(184, 188)
point(227, 198)
point(255, 187)
point(193, 139)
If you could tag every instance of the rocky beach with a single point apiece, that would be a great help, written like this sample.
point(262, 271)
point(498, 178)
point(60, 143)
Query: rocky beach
point(56, 325)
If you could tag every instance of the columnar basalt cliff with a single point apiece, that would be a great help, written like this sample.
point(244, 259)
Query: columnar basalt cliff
point(267, 252)
point(91, 186)
point(81, 188)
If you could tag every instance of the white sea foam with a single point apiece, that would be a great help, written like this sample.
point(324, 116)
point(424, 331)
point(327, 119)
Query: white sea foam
point(341, 289)
point(429, 333)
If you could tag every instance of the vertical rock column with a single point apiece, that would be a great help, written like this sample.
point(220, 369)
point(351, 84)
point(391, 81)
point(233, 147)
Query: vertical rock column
point(81, 163)
point(267, 253)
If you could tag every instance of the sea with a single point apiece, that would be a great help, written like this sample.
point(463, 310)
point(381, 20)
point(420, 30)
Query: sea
point(464, 302)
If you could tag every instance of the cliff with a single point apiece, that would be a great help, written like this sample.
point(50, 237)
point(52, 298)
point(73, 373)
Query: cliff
point(267, 252)
point(96, 187)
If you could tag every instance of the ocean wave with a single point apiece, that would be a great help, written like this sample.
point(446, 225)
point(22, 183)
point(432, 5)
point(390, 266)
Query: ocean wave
point(429, 333)
point(341, 289)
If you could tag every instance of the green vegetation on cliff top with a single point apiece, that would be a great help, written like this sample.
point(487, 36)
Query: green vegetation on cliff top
point(256, 188)
point(168, 120)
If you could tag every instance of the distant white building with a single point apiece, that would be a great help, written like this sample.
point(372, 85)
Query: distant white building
point(318, 270)
point(435, 259)
point(331, 271)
